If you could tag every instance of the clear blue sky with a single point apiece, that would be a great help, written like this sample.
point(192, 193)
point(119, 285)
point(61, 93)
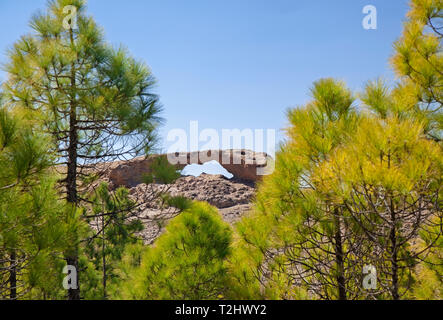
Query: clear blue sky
point(237, 63)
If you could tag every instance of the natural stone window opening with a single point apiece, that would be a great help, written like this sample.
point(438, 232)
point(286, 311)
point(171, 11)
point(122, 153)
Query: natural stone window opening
point(212, 167)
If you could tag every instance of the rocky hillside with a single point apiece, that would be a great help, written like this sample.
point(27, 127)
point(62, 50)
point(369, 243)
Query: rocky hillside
point(231, 196)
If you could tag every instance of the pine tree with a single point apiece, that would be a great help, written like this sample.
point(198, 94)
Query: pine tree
point(31, 233)
point(186, 262)
point(418, 61)
point(348, 191)
point(118, 223)
point(115, 230)
point(96, 102)
point(300, 236)
point(389, 177)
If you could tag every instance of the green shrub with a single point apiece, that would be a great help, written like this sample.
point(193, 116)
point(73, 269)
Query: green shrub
point(187, 261)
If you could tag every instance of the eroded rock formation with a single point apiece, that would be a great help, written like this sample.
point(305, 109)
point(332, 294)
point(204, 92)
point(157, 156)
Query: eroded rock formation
point(243, 164)
point(232, 197)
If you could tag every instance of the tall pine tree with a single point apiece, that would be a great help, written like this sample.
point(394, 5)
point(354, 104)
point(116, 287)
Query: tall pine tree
point(95, 101)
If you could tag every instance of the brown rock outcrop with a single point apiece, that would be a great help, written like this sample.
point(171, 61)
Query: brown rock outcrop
point(232, 197)
point(243, 164)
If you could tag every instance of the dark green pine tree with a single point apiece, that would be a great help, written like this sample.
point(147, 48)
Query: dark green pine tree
point(31, 233)
point(95, 101)
point(115, 218)
point(116, 228)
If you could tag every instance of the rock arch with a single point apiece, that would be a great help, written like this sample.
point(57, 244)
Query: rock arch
point(243, 164)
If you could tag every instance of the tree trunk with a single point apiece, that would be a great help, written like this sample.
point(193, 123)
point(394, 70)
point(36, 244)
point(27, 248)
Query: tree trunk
point(13, 276)
point(71, 188)
point(71, 179)
point(394, 255)
point(339, 257)
point(74, 294)
point(104, 258)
